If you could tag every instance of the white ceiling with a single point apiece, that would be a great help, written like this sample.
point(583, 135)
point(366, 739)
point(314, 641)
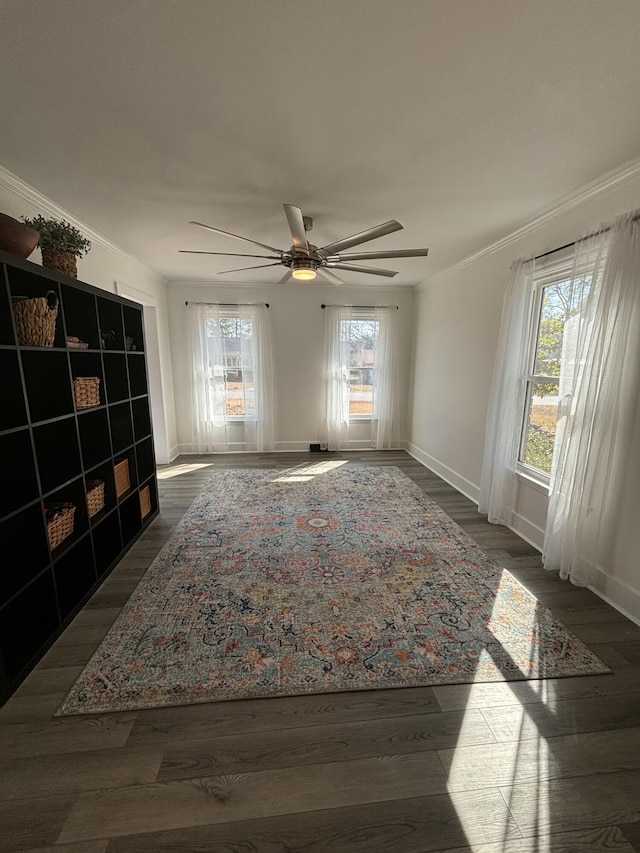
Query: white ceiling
point(460, 118)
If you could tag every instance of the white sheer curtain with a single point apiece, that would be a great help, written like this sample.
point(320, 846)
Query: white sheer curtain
point(386, 423)
point(594, 441)
point(498, 487)
point(336, 369)
point(223, 339)
point(599, 410)
point(384, 426)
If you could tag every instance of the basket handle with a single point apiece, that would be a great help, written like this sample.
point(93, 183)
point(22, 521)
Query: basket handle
point(52, 299)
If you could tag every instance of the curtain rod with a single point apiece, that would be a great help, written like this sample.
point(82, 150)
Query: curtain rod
point(228, 304)
point(324, 305)
point(573, 243)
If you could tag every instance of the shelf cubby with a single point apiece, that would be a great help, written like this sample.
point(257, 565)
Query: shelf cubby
point(110, 324)
point(52, 450)
point(145, 459)
point(130, 517)
point(13, 412)
point(75, 575)
point(137, 374)
point(121, 427)
point(46, 376)
point(115, 371)
point(23, 535)
point(133, 329)
point(103, 472)
point(141, 417)
point(80, 317)
point(95, 438)
point(107, 542)
point(19, 472)
point(7, 337)
point(75, 493)
point(27, 623)
point(57, 452)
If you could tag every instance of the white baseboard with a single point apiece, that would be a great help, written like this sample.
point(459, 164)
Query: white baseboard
point(618, 594)
point(528, 531)
point(466, 487)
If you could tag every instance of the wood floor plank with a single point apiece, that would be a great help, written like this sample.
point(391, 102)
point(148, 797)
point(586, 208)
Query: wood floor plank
point(632, 833)
point(474, 767)
point(244, 796)
point(99, 846)
point(568, 804)
point(415, 825)
point(453, 697)
point(33, 822)
point(75, 772)
point(194, 722)
point(607, 839)
point(312, 745)
point(62, 735)
point(603, 713)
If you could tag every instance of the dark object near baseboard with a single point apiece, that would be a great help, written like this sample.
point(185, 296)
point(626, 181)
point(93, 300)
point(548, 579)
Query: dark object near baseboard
point(315, 448)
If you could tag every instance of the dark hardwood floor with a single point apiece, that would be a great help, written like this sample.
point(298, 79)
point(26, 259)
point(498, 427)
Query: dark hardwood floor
point(525, 767)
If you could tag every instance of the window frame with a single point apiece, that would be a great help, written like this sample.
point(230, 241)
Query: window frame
point(556, 270)
point(364, 315)
point(238, 318)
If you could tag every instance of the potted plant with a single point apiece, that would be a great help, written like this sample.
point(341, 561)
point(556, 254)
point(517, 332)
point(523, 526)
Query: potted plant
point(60, 243)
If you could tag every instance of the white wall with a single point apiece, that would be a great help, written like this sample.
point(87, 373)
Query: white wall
point(457, 325)
point(104, 266)
point(297, 324)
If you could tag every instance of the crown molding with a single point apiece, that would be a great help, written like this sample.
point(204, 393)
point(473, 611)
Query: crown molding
point(48, 207)
point(310, 285)
point(628, 171)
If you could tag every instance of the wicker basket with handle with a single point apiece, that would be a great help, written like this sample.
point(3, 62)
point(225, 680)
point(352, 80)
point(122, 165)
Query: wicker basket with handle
point(95, 496)
point(35, 320)
point(145, 502)
point(60, 518)
point(121, 471)
point(86, 390)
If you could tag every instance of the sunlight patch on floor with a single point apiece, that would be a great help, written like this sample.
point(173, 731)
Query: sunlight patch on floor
point(304, 473)
point(177, 470)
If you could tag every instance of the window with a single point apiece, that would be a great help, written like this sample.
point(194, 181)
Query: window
point(232, 377)
point(362, 388)
point(231, 359)
point(359, 339)
point(557, 300)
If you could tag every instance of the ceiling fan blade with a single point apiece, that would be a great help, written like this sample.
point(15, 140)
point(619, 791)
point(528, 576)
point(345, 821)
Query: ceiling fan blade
point(358, 268)
point(228, 254)
point(296, 226)
point(325, 273)
point(370, 234)
point(236, 236)
point(242, 269)
point(285, 278)
point(393, 253)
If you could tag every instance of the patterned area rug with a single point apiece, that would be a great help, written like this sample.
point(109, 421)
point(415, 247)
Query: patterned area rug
point(319, 580)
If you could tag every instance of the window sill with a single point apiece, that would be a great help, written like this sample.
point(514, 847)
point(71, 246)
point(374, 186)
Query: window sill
point(537, 483)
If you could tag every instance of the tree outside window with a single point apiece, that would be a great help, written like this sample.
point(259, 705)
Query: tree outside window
point(358, 339)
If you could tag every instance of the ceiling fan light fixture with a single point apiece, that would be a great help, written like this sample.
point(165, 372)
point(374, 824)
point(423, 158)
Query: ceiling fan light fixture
point(303, 269)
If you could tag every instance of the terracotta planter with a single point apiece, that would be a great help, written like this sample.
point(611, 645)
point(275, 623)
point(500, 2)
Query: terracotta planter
point(17, 238)
point(64, 262)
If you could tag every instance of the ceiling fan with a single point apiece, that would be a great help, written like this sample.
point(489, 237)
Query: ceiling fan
point(304, 261)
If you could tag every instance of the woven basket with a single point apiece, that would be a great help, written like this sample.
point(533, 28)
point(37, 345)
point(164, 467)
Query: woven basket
point(121, 471)
point(145, 502)
point(36, 320)
point(60, 519)
point(86, 390)
point(95, 496)
point(64, 262)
